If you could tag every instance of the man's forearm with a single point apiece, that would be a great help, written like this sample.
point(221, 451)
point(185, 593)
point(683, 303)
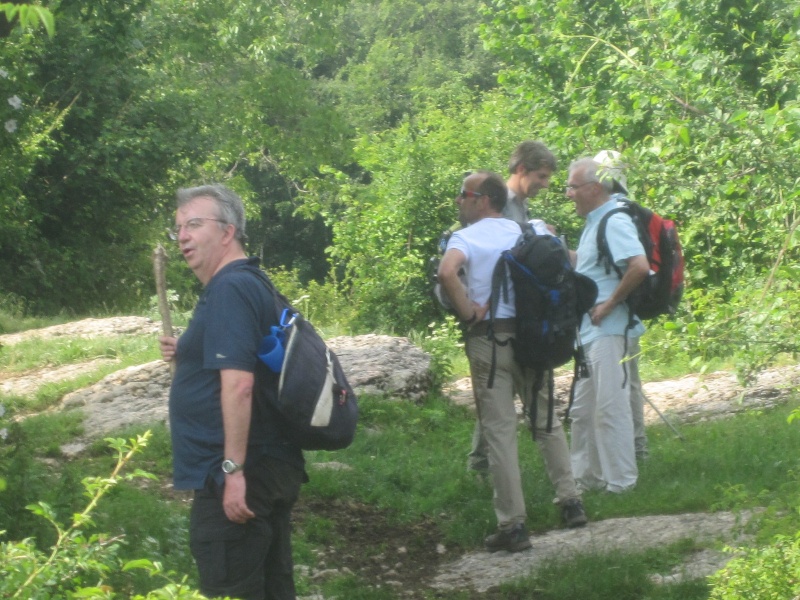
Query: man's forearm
point(458, 298)
point(637, 270)
point(237, 406)
point(452, 262)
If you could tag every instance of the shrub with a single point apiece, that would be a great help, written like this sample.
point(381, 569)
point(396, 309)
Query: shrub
point(771, 573)
point(79, 563)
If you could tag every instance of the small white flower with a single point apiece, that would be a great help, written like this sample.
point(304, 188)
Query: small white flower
point(11, 125)
point(3, 73)
point(15, 102)
point(4, 433)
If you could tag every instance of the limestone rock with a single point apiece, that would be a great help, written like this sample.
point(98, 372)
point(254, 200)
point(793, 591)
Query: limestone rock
point(374, 364)
point(86, 328)
point(133, 396)
point(381, 364)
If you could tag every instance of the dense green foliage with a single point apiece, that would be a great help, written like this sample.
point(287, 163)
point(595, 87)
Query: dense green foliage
point(709, 134)
point(700, 98)
point(771, 573)
point(347, 125)
point(79, 564)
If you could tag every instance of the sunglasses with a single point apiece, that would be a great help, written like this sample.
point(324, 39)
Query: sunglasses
point(467, 193)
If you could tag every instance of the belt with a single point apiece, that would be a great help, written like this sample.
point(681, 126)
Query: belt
point(500, 326)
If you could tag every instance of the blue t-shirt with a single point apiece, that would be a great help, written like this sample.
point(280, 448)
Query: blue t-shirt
point(232, 316)
point(623, 242)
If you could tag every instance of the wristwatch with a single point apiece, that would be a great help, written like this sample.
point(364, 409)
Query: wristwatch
point(229, 467)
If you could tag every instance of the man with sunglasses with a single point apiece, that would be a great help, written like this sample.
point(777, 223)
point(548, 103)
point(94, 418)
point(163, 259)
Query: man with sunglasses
point(476, 248)
point(602, 445)
point(227, 448)
point(531, 166)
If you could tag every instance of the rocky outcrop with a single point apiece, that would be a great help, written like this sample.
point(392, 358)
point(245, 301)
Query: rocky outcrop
point(691, 398)
point(374, 364)
point(86, 328)
point(482, 571)
point(381, 364)
point(132, 396)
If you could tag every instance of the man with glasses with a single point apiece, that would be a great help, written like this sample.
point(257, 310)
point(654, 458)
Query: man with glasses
point(602, 445)
point(476, 248)
point(531, 166)
point(227, 448)
point(611, 161)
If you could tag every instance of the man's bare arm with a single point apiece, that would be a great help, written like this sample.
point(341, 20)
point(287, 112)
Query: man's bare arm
point(237, 404)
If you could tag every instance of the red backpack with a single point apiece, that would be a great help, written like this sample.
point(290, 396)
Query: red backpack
point(661, 291)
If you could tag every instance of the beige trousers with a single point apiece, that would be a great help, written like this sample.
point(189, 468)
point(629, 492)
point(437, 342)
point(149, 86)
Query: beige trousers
point(498, 421)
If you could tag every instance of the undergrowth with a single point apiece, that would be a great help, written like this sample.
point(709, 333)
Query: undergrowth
point(408, 461)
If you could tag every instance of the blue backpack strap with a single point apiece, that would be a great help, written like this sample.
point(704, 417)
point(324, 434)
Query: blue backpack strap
point(500, 283)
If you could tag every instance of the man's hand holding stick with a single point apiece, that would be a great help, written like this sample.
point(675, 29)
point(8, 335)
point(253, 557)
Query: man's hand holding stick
point(167, 341)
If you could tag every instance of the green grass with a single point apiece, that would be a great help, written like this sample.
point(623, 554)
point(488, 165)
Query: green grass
point(112, 353)
point(615, 575)
point(12, 322)
point(411, 459)
point(39, 353)
point(408, 461)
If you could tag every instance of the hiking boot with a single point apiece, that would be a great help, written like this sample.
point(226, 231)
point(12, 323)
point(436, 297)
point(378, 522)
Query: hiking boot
point(573, 514)
point(510, 540)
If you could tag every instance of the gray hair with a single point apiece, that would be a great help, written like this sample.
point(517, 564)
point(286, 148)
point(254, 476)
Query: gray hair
point(229, 205)
point(593, 171)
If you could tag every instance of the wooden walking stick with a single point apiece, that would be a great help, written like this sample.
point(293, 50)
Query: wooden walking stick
point(159, 267)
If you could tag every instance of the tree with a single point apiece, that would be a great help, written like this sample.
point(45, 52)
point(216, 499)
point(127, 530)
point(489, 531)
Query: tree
point(147, 96)
point(709, 135)
point(27, 16)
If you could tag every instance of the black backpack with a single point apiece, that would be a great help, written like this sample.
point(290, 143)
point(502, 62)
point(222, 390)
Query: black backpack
point(550, 300)
point(315, 403)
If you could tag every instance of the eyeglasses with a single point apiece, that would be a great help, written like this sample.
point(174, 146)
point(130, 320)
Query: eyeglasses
point(465, 193)
point(579, 185)
point(190, 225)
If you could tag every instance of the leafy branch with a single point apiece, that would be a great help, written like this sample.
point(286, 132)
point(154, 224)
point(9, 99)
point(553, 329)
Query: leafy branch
point(71, 552)
point(29, 15)
point(628, 57)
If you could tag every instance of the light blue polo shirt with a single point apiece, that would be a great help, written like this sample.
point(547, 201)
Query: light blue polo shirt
point(623, 242)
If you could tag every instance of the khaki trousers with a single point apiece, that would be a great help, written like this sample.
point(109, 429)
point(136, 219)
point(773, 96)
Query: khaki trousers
point(498, 422)
point(553, 444)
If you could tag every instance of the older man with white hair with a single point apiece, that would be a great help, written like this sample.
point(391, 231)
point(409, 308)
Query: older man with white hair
point(602, 446)
point(615, 167)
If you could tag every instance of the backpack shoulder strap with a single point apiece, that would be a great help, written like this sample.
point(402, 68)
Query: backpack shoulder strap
point(500, 283)
point(603, 250)
point(279, 300)
point(500, 278)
